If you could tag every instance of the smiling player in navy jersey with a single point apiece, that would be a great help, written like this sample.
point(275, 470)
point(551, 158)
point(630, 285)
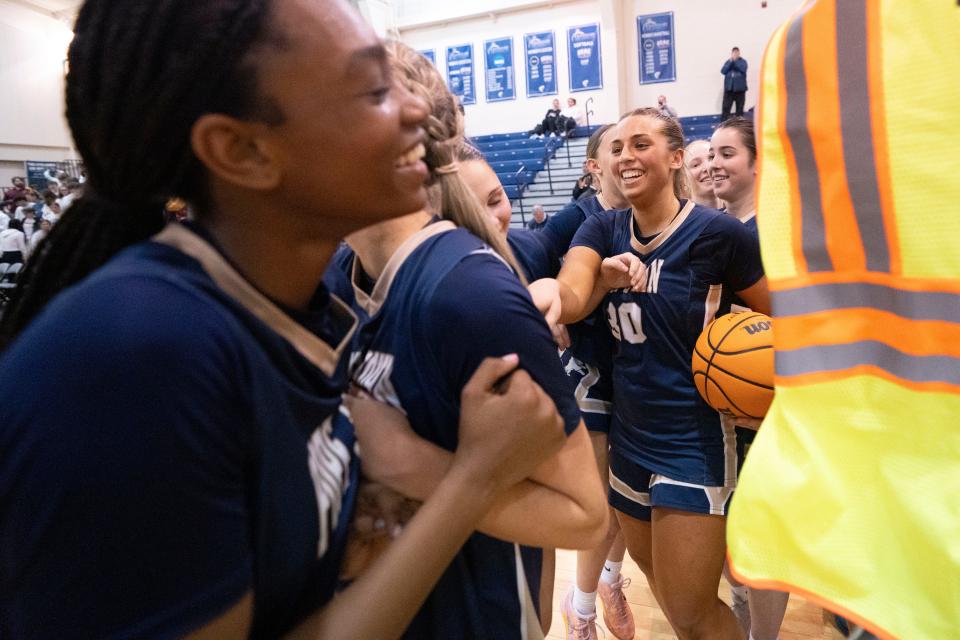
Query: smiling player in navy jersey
point(194, 474)
point(662, 270)
point(587, 361)
point(536, 257)
point(410, 275)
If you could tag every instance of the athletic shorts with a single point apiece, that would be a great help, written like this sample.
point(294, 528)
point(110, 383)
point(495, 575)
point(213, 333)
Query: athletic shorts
point(635, 490)
point(593, 390)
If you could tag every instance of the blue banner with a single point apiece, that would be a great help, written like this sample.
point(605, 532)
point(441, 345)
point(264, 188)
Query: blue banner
point(429, 54)
point(36, 171)
point(583, 45)
point(500, 82)
point(541, 62)
point(658, 61)
point(460, 73)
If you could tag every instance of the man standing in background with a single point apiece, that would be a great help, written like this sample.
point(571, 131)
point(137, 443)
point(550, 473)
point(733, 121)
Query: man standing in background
point(734, 83)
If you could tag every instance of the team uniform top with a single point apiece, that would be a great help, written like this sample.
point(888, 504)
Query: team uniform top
point(745, 435)
point(445, 302)
point(751, 224)
point(534, 254)
point(660, 422)
point(562, 226)
point(589, 360)
point(181, 451)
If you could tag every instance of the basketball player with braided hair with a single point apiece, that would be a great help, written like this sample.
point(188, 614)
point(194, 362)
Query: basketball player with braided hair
point(194, 474)
point(662, 270)
point(442, 293)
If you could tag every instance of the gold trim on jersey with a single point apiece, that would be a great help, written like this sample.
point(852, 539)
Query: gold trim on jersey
point(650, 247)
point(372, 302)
point(307, 343)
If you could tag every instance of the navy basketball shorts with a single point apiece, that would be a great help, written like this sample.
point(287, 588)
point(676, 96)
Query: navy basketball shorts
point(593, 389)
point(636, 490)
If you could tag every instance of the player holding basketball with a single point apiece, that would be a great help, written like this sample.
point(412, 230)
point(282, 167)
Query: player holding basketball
point(662, 270)
point(410, 276)
point(732, 163)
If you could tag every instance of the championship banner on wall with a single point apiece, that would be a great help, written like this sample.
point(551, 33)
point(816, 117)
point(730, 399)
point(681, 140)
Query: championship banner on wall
point(655, 40)
point(429, 54)
point(541, 62)
point(460, 73)
point(500, 80)
point(583, 45)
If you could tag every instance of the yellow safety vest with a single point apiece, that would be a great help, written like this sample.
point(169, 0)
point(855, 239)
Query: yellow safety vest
point(851, 493)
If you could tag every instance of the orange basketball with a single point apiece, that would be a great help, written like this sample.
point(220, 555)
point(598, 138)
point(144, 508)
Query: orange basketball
point(733, 364)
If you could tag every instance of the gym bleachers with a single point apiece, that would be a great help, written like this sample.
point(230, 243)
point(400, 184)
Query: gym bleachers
point(517, 158)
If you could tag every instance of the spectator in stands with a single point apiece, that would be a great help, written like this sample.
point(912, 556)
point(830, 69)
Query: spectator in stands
point(550, 122)
point(583, 188)
point(19, 189)
point(57, 178)
point(540, 218)
point(29, 222)
point(734, 83)
point(13, 244)
point(51, 208)
point(696, 164)
point(72, 187)
point(39, 235)
point(664, 108)
point(570, 118)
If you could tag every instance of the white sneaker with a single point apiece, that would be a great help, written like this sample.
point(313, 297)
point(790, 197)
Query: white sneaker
point(553, 135)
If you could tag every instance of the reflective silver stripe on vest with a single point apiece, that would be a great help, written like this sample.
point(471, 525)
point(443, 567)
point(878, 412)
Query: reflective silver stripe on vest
point(856, 124)
point(913, 305)
point(813, 231)
point(868, 352)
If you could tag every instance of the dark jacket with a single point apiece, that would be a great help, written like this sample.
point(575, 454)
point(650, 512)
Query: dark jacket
point(735, 75)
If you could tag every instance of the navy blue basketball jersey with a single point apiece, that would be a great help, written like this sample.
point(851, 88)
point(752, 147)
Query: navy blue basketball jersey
point(694, 266)
point(562, 226)
point(745, 436)
point(534, 254)
point(185, 447)
point(751, 224)
point(445, 302)
point(588, 361)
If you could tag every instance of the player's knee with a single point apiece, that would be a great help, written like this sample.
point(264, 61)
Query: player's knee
point(643, 560)
point(690, 618)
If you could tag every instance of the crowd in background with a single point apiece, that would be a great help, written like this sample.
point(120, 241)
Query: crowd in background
point(27, 215)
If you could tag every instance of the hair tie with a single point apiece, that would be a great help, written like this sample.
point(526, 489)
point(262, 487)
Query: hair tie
point(447, 169)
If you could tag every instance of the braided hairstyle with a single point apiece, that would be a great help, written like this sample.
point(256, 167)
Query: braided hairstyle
point(131, 105)
point(444, 143)
point(672, 130)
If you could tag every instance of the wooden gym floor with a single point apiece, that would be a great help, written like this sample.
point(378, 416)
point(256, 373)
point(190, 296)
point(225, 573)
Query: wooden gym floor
point(804, 620)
